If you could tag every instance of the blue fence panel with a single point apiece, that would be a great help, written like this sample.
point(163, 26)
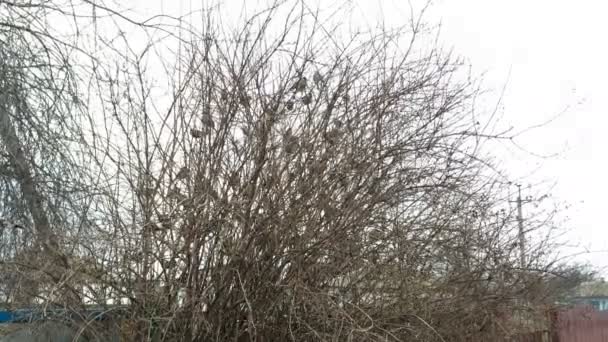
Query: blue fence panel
point(6, 316)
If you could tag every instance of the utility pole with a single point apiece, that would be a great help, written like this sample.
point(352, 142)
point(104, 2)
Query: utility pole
point(520, 223)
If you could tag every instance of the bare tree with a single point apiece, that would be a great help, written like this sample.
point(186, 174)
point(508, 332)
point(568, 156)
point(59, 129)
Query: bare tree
point(258, 183)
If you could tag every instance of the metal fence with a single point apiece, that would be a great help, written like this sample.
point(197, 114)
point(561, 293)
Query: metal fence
point(60, 325)
point(581, 325)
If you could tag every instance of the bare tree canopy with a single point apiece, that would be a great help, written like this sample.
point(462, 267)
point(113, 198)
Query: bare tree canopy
point(273, 180)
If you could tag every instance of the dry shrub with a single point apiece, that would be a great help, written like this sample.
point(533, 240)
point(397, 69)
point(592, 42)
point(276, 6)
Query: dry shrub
point(260, 183)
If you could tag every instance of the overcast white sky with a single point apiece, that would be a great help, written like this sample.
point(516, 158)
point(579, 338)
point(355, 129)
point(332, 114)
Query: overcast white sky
point(556, 53)
point(551, 55)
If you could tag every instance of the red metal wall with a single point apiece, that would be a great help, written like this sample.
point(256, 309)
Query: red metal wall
point(581, 325)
